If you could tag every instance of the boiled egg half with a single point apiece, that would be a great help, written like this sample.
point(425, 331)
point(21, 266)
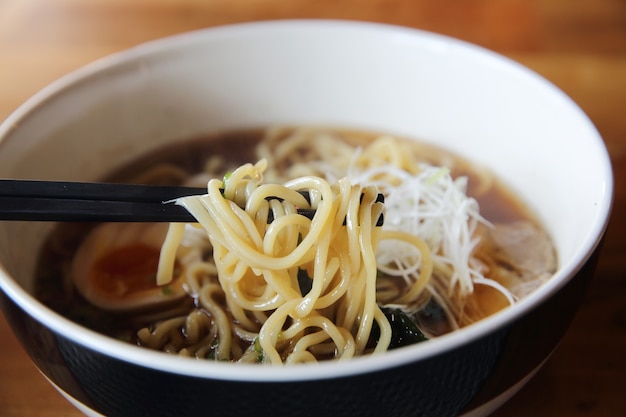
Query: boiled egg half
point(115, 267)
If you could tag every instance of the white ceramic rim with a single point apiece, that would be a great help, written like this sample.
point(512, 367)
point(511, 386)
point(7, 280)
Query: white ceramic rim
point(332, 369)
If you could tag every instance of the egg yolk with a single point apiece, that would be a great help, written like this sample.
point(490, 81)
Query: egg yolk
point(125, 270)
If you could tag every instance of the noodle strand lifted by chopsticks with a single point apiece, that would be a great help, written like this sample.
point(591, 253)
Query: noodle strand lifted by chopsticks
point(298, 289)
point(258, 264)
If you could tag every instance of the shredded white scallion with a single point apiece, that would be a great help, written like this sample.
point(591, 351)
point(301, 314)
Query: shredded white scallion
point(434, 206)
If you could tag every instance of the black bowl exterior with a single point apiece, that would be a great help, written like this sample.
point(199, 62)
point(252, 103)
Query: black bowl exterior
point(451, 383)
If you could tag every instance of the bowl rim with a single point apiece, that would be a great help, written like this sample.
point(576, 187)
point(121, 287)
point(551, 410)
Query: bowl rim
point(331, 369)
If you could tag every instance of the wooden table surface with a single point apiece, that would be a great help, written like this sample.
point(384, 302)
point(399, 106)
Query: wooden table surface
point(580, 45)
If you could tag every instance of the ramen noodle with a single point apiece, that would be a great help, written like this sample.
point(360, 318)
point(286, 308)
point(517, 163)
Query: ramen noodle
point(405, 242)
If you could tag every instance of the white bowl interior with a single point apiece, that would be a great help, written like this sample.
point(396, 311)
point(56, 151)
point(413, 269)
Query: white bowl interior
point(366, 76)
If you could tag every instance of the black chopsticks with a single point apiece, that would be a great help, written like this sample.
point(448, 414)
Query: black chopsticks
point(34, 200)
point(79, 201)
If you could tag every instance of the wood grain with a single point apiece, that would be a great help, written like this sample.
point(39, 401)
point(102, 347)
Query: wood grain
point(580, 45)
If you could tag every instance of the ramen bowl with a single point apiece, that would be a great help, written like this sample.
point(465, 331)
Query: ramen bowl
point(363, 76)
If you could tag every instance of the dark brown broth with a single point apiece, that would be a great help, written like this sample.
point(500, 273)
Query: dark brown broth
point(54, 287)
